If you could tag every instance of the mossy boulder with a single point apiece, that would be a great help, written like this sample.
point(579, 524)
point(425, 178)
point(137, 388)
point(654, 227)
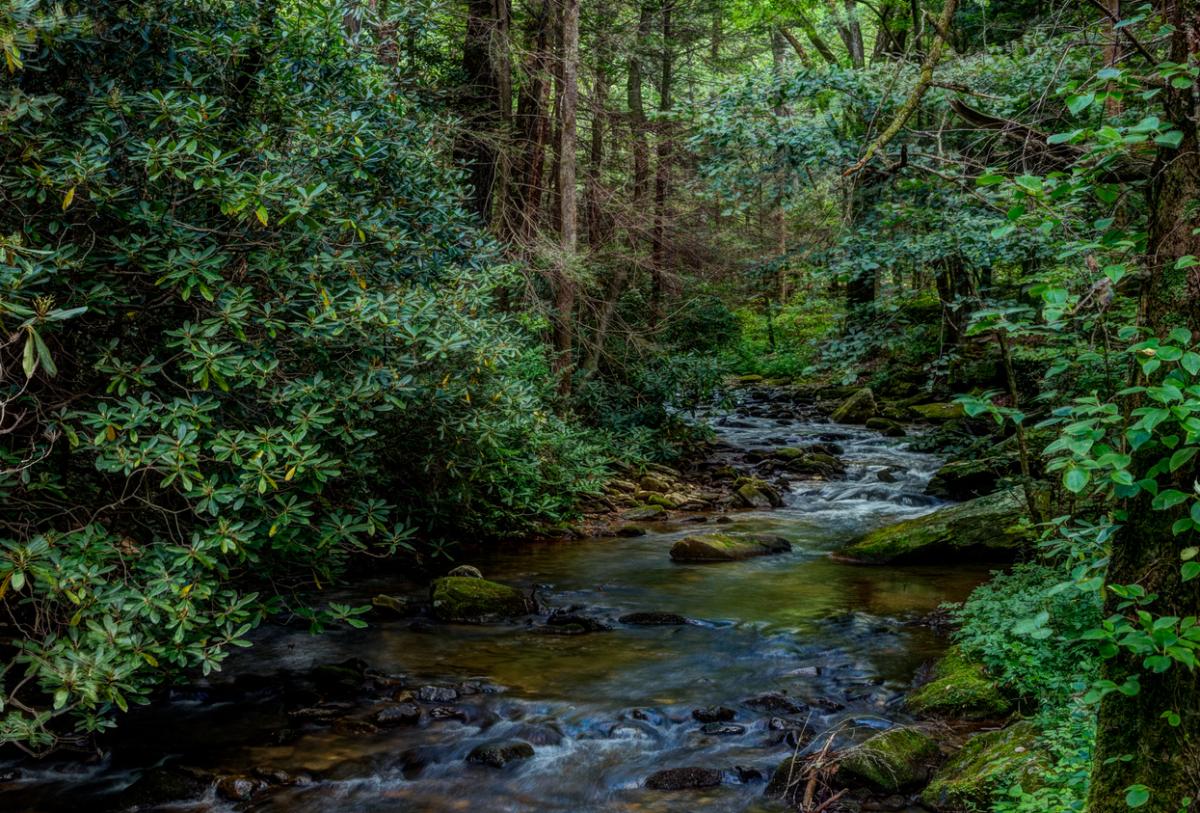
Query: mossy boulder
point(727, 547)
point(887, 427)
point(938, 413)
point(987, 528)
point(467, 600)
point(974, 477)
point(754, 493)
point(988, 763)
point(896, 760)
point(858, 408)
point(645, 513)
point(960, 689)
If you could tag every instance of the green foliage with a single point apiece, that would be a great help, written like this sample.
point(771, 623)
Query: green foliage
point(247, 334)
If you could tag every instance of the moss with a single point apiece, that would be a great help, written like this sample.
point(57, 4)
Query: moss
point(939, 412)
point(960, 689)
point(989, 762)
point(472, 601)
point(726, 547)
point(754, 493)
point(890, 762)
point(858, 408)
point(988, 527)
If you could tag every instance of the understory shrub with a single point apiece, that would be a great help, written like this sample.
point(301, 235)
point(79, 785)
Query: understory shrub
point(244, 319)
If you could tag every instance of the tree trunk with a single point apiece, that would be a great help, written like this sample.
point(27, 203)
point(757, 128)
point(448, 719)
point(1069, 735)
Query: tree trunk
point(598, 220)
point(1134, 745)
point(782, 173)
point(524, 189)
point(818, 42)
point(564, 297)
point(485, 99)
point(662, 177)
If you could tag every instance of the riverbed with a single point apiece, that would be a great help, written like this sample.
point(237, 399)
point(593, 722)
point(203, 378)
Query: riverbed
point(603, 710)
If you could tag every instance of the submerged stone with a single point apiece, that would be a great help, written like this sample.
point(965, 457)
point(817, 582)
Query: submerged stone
point(467, 600)
point(727, 547)
point(985, 528)
point(653, 619)
point(960, 689)
point(989, 762)
point(898, 759)
point(466, 571)
point(683, 779)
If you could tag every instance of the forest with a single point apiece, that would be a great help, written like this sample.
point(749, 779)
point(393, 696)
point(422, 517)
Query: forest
point(673, 406)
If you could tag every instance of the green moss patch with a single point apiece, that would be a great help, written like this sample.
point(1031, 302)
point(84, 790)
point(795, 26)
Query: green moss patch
point(985, 528)
point(466, 600)
point(988, 763)
point(961, 689)
point(890, 762)
point(727, 547)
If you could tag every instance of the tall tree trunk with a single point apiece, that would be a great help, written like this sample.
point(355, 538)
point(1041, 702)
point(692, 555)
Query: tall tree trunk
point(486, 98)
point(662, 177)
point(782, 173)
point(564, 296)
point(524, 188)
point(597, 217)
point(1134, 745)
point(801, 53)
point(854, 39)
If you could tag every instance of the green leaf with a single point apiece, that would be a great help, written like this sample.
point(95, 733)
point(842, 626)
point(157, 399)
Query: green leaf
point(1076, 479)
point(1182, 456)
point(1168, 499)
point(1137, 795)
point(1189, 571)
point(28, 359)
point(1077, 104)
point(1170, 139)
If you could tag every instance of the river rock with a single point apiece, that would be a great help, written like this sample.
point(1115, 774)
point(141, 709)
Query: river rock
point(645, 513)
point(683, 779)
point(631, 531)
point(988, 762)
point(939, 413)
point(985, 528)
point(787, 779)
point(468, 600)
point(466, 571)
point(776, 703)
point(501, 753)
point(437, 694)
point(651, 482)
point(754, 493)
point(858, 408)
point(714, 714)
point(572, 618)
point(960, 690)
point(896, 760)
point(727, 547)
point(722, 729)
point(240, 788)
point(653, 619)
point(162, 786)
point(400, 714)
point(887, 427)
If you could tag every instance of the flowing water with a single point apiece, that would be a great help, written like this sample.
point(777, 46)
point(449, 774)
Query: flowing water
point(605, 709)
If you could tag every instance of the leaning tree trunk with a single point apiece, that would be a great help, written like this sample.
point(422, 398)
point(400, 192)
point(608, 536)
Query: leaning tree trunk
point(1134, 744)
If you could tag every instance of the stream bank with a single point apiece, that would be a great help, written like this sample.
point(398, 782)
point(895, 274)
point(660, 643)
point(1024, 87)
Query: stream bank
point(641, 684)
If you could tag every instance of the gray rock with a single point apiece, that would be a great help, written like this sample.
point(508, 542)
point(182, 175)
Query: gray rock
point(501, 753)
point(683, 779)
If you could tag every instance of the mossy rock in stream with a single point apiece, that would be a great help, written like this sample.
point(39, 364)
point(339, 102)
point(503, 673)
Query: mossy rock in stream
point(987, 528)
point(755, 493)
point(939, 413)
point(858, 408)
point(960, 689)
point(466, 600)
point(896, 760)
point(989, 763)
point(727, 547)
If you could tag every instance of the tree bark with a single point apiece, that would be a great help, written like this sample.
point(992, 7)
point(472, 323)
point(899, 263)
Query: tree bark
point(1134, 745)
point(818, 42)
point(662, 177)
point(486, 98)
point(564, 298)
point(532, 127)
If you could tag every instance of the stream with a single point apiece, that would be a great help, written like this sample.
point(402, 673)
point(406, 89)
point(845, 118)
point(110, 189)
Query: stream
point(839, 643)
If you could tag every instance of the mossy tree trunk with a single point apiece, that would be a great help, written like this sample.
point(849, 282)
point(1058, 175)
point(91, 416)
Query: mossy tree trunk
point(1135, 745)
